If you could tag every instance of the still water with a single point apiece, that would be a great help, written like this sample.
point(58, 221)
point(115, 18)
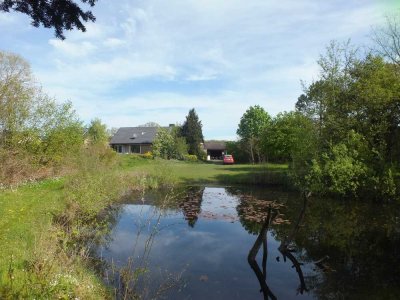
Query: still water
point(241, 243)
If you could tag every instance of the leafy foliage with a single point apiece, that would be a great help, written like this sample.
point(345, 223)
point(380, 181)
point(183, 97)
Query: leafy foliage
point(190, 157)
point(252, 126)
point(341, 170)
point(289, 136)
point(355, 106)
point(150, 124)
point(62, 15)
point(35, 131)
point(163, 145)
point(344, 137)
point(238, 150)
point(169, 145)
point(96, 132)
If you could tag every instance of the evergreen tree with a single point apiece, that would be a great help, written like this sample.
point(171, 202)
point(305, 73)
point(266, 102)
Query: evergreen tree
point(192, 132)
point(60, 15)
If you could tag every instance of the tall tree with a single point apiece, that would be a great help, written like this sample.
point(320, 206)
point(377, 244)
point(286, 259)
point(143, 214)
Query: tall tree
point(150, 124)
point(30, 121)
point(325, 99)
point(16, 96)
point(193, 133)
point(290, 136)
point(163, 145)
point(387, 38)
point(252, 126)
point(168, 144)
point(97, 132)
point(58, 14)
point(355, 104)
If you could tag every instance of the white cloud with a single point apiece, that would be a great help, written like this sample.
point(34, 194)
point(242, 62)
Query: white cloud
point(113, 42)
point(73, 49)
point(154, 60)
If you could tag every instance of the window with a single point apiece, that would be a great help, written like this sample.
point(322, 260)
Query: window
point(118, 148)
point(135, 148)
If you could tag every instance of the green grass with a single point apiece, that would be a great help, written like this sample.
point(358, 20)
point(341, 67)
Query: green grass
point(212, 173)
point(25, 214)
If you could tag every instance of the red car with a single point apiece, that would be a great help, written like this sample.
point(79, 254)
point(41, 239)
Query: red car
point(228, 160)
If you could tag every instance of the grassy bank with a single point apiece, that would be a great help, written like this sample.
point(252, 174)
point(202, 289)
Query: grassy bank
point(46, 227)
point(25, 213)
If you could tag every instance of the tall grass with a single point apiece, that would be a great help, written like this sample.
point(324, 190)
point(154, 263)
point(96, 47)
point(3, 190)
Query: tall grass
point(61, 263)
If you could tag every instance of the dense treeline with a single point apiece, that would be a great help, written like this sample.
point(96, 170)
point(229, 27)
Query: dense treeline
point(355, 106)
point(38, 136)
point(344, 136)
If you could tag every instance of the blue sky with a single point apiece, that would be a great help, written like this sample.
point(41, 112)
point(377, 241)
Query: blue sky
point(154, 60)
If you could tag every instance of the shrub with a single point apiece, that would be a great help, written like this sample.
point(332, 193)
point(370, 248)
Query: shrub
point(190, 157)
point(341, 170)
point(148, 155)
point(168, 145)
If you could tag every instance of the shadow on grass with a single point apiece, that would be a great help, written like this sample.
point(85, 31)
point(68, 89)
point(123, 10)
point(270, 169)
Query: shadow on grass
point(253, 169)
point(246, 176)
point(214, 162)
point(259, 177)
point(236, 168)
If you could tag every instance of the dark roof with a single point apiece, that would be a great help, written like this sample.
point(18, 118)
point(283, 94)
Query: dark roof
point(135, 135)
point(214, 145)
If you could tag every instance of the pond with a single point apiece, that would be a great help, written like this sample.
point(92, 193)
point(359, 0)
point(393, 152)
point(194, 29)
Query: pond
point(251, 243)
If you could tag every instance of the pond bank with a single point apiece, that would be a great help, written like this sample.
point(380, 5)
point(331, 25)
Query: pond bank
point(44, 225)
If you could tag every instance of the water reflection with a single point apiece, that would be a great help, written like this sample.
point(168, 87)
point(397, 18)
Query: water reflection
point(195, 246)
point(273, 214)
point(191, 206)
point(286, 250)
point(251, 258)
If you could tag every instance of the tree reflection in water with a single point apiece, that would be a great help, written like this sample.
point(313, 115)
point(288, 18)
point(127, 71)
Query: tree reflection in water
point(251, 258)
point(284, 249)
point(350, 249)
point(191, 206)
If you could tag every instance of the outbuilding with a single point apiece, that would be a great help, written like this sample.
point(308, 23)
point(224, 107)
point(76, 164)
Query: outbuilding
point(215, 149)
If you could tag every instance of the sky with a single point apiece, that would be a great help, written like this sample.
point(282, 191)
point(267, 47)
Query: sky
point(154, 60)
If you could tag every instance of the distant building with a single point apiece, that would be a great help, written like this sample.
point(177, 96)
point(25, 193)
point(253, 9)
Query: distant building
point(134, 139)
point(215, 149)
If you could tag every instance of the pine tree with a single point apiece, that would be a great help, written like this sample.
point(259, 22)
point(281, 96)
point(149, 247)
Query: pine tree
point(192, 132)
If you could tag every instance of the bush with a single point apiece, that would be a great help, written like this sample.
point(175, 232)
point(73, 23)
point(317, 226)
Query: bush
point(148, 155)
point(168, 145)
point(190, 157)
point(341, 170)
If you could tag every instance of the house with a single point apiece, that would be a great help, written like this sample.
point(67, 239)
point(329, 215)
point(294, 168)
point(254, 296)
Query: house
point(215, 149)
point(134, 139)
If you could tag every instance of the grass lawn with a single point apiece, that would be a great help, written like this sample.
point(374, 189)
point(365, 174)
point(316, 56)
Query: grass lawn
point(25, 214)
point(212, 173)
